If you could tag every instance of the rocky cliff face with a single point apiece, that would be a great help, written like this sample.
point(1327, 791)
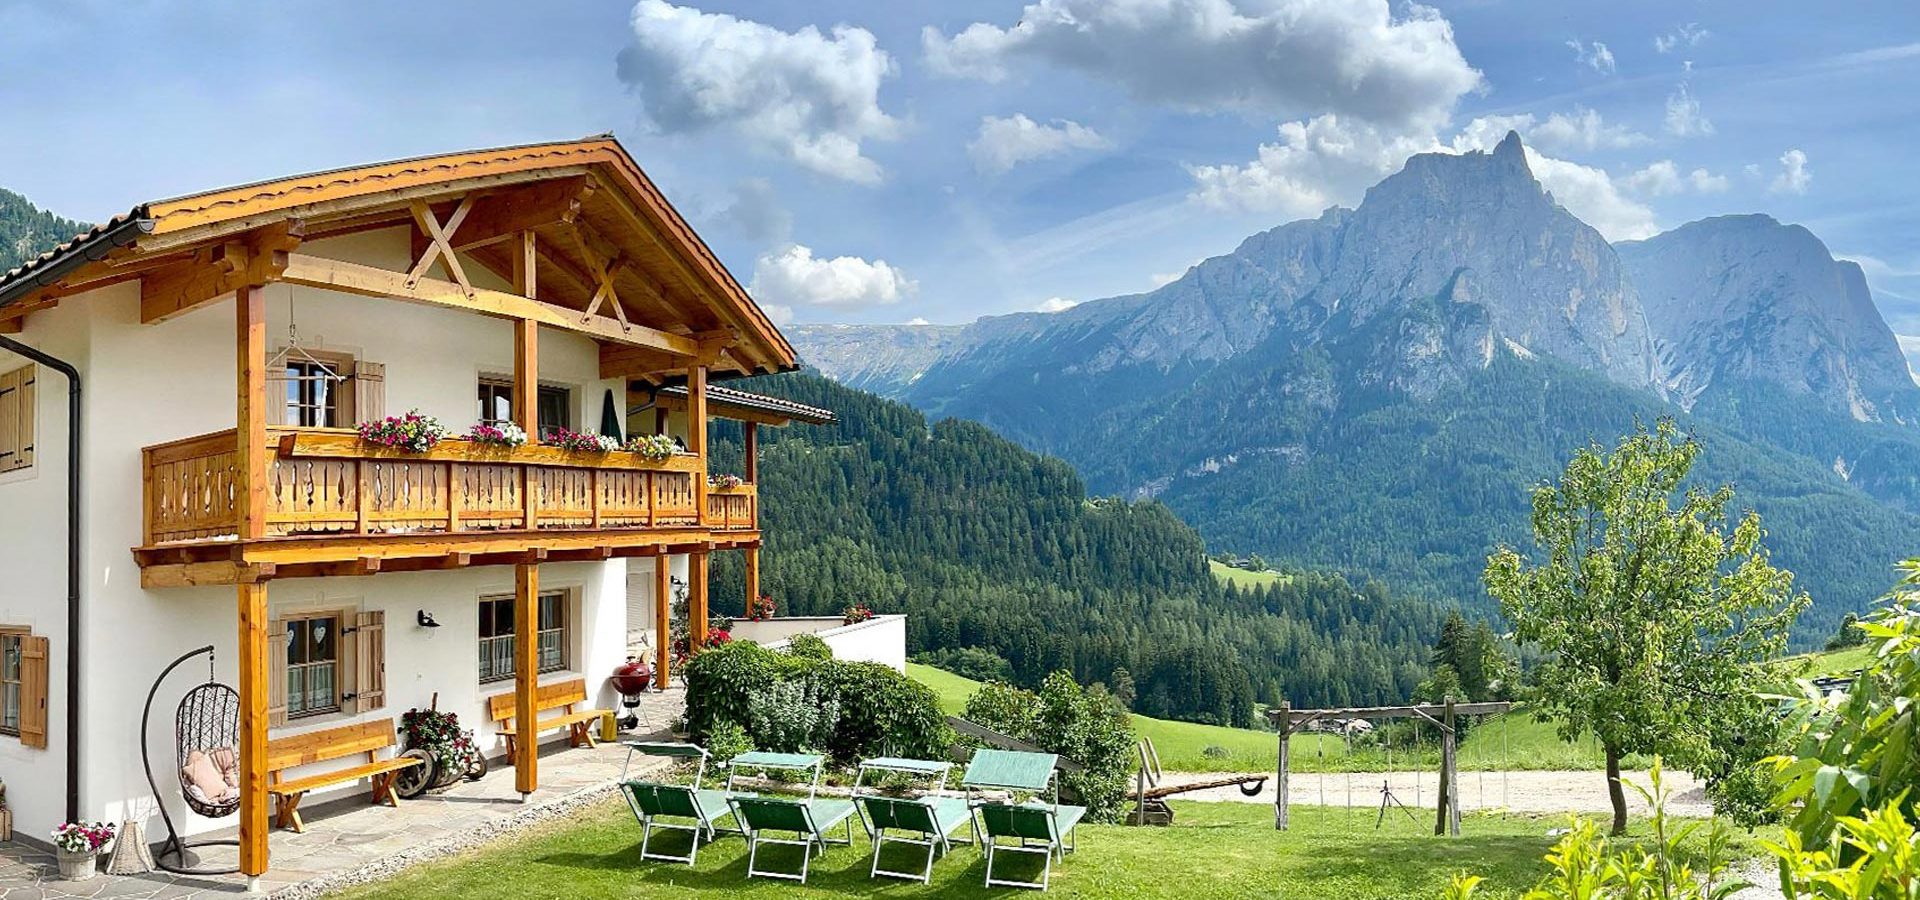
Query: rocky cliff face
point(1739, 302)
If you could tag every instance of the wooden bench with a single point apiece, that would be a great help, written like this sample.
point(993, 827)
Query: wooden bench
point(569, 697)
point(330, 744)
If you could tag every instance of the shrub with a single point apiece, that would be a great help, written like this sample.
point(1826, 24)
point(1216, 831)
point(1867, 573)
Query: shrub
point(792, 716)
point(1085, 725)
point(975, 663)
point(882, 712)
point(809, 646)
point(1215, 751)
point(728, 740)
point(878, 711)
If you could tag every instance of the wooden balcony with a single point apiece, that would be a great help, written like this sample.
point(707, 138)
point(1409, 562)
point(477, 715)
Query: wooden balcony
point(332, 499)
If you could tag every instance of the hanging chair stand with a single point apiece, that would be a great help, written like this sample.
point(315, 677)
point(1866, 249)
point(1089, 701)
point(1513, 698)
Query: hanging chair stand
point(192, 713)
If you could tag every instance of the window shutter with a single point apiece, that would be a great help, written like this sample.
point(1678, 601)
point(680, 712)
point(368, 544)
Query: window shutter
point(370, 660)
point(369, 391)
point(29, 412)
point(276, 673)
point(33, 691)
point(9, 421)
point(277, 396)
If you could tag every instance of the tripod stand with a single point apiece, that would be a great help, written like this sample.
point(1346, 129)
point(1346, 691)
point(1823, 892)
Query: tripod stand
point(1386, 797)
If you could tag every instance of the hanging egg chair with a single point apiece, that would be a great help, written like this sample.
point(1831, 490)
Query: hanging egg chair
point(206, 731)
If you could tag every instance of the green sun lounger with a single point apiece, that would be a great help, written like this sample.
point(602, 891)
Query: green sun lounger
point(930, 820)
point(808, 820)
point(1043, 828)
point(677, 807)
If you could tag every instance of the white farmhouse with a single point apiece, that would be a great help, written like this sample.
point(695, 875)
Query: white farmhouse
point(221, 348)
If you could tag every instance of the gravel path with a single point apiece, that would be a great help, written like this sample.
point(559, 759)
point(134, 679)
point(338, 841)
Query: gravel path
point(1531, 792)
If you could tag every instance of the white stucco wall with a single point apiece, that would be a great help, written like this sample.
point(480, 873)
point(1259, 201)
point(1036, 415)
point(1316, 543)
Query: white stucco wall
point(881, 639)
point(146, 384)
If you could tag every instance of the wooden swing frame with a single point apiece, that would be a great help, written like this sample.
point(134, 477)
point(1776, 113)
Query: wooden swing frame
point(1287, 720)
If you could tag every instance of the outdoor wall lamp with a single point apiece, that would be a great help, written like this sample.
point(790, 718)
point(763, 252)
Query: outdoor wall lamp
point(426, 619)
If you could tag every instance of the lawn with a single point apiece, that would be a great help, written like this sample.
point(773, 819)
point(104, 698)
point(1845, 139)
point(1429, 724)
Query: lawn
point(1518, 742)
point(1212, 850)
point(1244, 578)
point(1832, 662)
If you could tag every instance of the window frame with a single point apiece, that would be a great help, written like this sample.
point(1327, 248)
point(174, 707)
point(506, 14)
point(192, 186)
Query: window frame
point(563, 645)
point(17, 637)
point(495, 387)
point(291, 621)
point(295, 398)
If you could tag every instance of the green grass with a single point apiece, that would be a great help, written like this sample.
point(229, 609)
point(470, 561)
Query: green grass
point(1244, 578)
point(1832, 662)
point(1517, 742)
point(1212, 850)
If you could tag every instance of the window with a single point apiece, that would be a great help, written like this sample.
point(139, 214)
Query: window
point(10, 683)
point(313, 666)
point(496, 635)
point(17, 419)
point(555, 404)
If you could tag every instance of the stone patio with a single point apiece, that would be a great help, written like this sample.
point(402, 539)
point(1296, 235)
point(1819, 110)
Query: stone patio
point(349, 841)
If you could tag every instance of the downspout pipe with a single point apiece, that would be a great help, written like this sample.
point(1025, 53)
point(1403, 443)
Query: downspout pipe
point(73, 561)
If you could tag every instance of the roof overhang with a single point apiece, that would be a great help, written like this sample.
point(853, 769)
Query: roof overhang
point(743, 406)
point(606, 239)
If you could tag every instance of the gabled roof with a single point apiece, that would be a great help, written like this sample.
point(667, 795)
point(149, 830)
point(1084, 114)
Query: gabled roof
point(728, 403)
point(663, 271)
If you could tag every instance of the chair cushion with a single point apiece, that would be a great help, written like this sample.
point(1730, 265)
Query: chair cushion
point(203, 774)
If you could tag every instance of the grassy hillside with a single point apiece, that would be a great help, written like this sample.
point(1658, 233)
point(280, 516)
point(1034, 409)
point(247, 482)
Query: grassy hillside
point(1242, 578)
point(1832, 662)
point(1518, 742)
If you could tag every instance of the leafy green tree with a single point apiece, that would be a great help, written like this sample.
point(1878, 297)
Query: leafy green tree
point(1848, 635)
point(1657, 620)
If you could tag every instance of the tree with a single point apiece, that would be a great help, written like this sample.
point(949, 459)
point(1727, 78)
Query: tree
point(1848, 635)
point(1655, 620)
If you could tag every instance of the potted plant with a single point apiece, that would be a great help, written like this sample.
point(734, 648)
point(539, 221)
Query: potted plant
point(652, 447)
point(505, 434)
point(580, 441)
point(411, 433)
point(724, 482)
point(454, 752)
point(855, 614)
point(760, 608)
point(78, 845)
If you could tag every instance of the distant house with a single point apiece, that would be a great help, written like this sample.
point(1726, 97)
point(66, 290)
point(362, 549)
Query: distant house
point(226, 345)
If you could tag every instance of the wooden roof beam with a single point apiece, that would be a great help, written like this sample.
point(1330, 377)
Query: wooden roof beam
point(503, 214)
point(218, 270)
point(368, 281)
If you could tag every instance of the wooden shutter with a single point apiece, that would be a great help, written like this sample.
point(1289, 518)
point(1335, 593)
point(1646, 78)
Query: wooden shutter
point(370, 660)
point(276, 673)
point(9, 421)
point(369, 391)
point(277, 396)
point(29, 413)
point(33, 691)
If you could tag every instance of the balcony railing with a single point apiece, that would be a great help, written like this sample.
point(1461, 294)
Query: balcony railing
point(327, 482)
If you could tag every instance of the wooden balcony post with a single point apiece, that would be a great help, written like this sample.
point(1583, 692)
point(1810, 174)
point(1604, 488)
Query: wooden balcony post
point(752, 561)
point(750, 445)
point(253, 730)
point(697, 599)
point(662, 620)
point(697, 436)
point(526, 677)
point(526, 407)
point(250, 325)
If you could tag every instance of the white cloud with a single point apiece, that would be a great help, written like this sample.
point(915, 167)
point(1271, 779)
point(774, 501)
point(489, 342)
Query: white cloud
point(1683, 114)
point(1794, 175)
point(1585, 129)
point(807, 96)
point(1594, 56)
point(1663, 178)
point(1056, 304)
point(1688, 35)
point(1274, 58)
point(1007, 142)
point(1316, 164)
point(793, 276)
point(1325, 161)
point(1162, 279)
point(918, 321)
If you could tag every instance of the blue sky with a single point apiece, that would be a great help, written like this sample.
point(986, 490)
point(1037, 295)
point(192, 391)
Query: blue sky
point(887, 162)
